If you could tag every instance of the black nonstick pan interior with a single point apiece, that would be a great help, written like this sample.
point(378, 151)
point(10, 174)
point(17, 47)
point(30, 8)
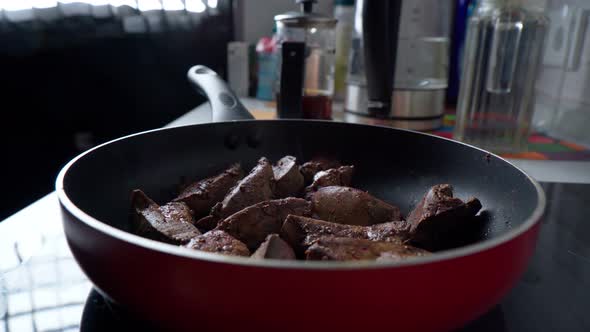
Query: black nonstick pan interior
point(396, 165)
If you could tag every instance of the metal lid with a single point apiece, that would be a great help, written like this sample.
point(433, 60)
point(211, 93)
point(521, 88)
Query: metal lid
point(305, 18)
point(297, 19)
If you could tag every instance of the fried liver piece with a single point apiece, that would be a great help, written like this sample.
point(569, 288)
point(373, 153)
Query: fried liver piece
point(219, 242)
point(252, 224)
point(274, 247)
point(345, 205)
point(178, 212)
point(288, 178)
point(300, 232)
point(202, 195)
point(439, 217)
point(256, 187)
point(341, 176)
point(170, 223)
point(310, 168)
point(348, 249)
point(207, 223)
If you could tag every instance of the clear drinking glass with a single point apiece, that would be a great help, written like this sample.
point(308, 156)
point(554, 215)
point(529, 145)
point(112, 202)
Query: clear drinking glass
point(503, 50)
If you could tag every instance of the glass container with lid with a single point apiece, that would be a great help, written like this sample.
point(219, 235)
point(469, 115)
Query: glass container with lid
point(317, 32)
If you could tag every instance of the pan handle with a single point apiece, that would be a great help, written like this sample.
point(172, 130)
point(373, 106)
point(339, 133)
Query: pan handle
point(225, 105)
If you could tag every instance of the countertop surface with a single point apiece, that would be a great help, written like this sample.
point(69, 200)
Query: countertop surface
point(43, 289)
point(541, 170)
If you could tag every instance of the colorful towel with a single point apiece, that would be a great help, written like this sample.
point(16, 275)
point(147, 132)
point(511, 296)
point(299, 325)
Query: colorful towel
point(540, 146)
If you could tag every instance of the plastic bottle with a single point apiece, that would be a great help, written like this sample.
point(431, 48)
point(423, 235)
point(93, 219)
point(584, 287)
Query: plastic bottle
point(265, 50)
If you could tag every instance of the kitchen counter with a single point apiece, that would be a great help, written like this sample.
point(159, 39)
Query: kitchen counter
point(43, 288)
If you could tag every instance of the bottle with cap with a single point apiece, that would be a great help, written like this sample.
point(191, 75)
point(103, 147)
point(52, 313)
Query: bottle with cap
point(317, 34)
point(503, 51)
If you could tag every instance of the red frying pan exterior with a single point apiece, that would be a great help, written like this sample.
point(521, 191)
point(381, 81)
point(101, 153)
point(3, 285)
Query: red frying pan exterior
point(180, 293)
point(182, 289)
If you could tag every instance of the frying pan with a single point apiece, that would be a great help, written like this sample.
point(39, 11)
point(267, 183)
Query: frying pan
point(181, 289)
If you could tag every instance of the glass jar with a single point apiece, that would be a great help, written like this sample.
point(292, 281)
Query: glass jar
point(503, 50)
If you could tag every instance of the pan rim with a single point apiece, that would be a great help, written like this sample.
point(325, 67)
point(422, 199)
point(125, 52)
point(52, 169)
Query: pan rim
point(446, 255)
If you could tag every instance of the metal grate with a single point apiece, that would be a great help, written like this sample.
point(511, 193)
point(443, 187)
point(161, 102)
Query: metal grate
point(47, 293)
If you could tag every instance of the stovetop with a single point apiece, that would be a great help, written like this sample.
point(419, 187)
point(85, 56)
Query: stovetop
point(553, 294)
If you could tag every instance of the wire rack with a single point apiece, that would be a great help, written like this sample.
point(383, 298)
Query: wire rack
point(46, 293)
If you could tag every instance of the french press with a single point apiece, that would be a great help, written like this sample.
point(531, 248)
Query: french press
point(306, 52)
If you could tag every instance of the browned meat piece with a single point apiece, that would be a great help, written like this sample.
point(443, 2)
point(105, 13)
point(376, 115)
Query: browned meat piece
point(300, 232)
point(256, 187)
point(348, 249)
point(252, 224)
point(178, 212)
point(219, 242)
point(207, 223)
point(439, 217)
point(438, 199)
point(341, 176)
point(289, 181)
point(171, 223)
point(202, 195)
point(275, 248)
point(310, 168)
point(351, 206)
point(393, 231)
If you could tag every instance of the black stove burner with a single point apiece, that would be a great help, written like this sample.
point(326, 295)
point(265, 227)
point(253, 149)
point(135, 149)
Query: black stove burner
point(101, 314)
point(553, 295)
